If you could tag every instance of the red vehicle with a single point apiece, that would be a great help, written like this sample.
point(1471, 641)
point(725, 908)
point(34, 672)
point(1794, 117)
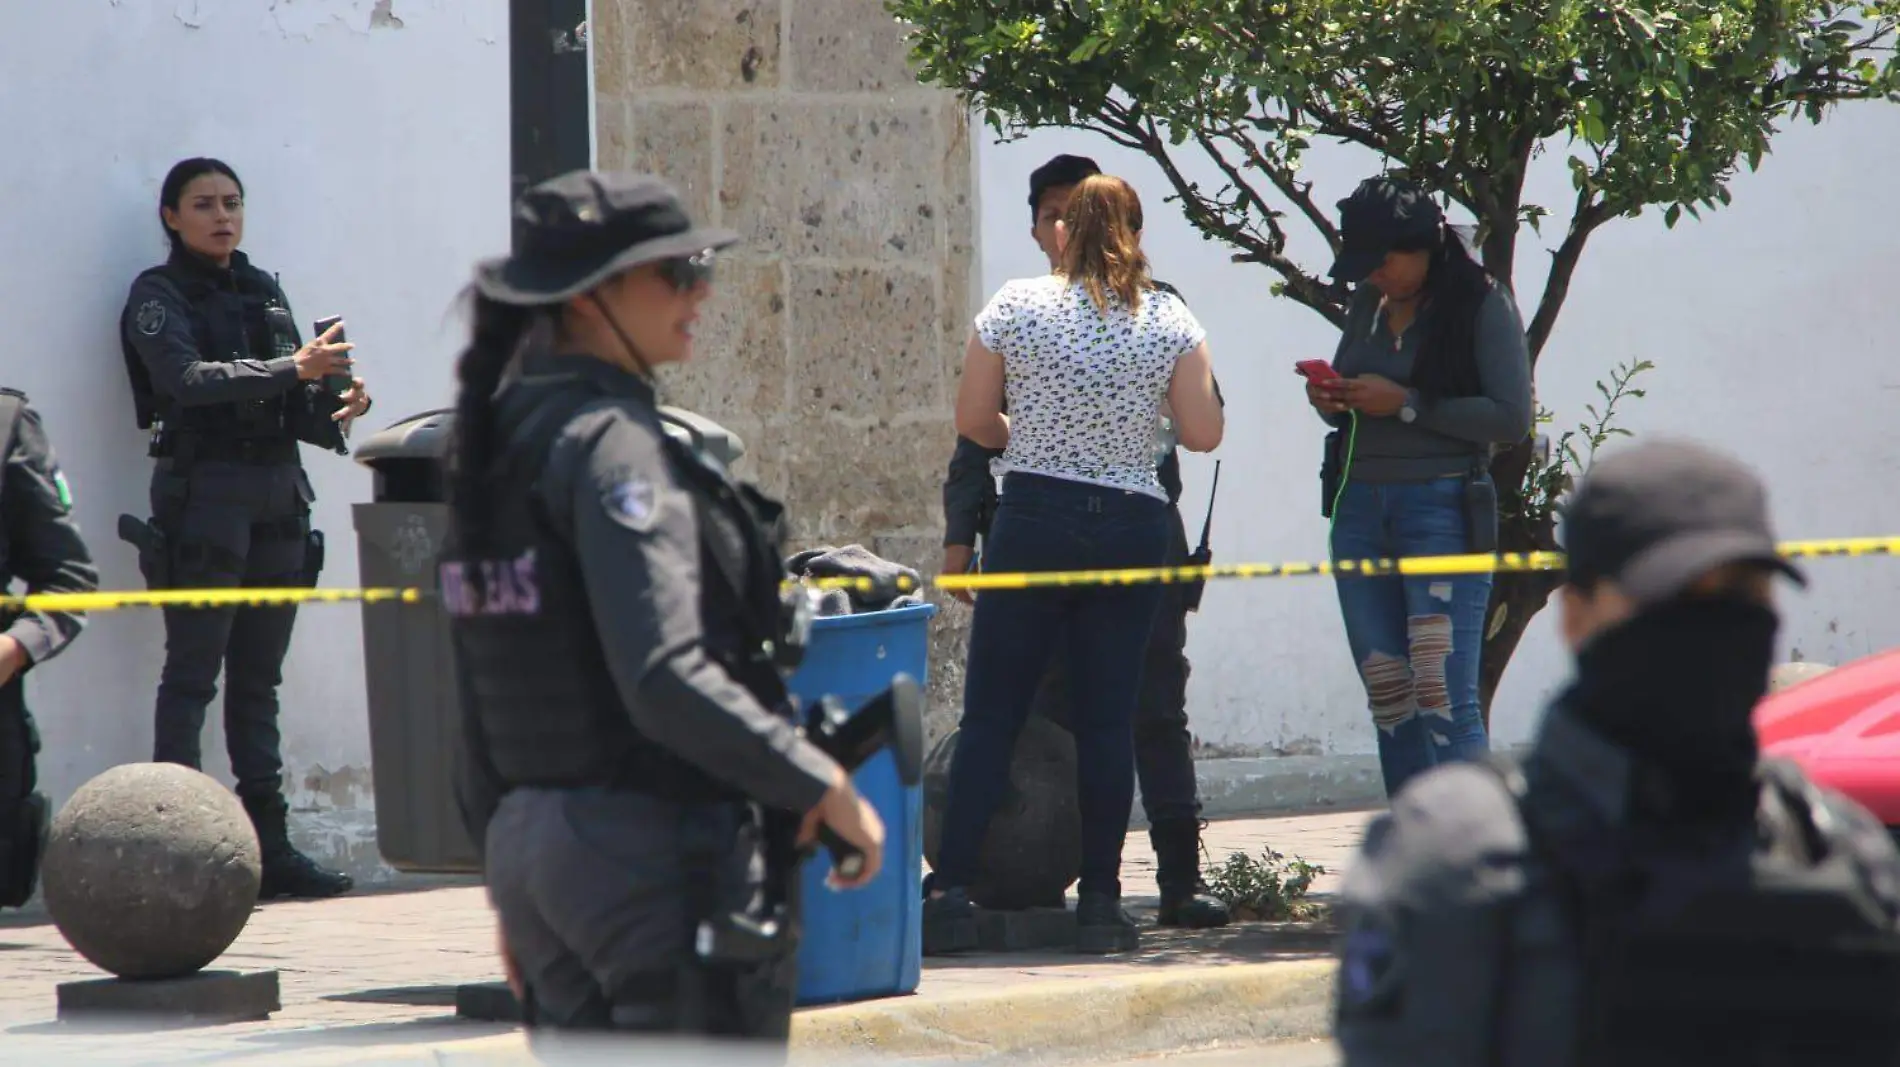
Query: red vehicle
point(1843, 729)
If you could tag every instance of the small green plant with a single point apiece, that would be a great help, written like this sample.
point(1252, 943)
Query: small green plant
point(1272, 888)
point(1549, 478)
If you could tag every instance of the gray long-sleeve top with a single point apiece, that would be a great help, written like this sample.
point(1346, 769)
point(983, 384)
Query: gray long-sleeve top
point(643, 586)
point(1450, 433)
point(39, 540)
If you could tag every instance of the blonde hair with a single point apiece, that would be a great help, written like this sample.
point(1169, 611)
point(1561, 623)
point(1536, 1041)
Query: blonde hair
point(1103, 251)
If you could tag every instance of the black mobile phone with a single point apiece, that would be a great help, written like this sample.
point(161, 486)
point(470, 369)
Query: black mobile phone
point(337, 384)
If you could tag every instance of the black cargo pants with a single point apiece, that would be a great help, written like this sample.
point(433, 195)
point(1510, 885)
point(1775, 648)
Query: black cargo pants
point(229, 524)
point(22, 814)
point(1164, 749)
point(599, 893)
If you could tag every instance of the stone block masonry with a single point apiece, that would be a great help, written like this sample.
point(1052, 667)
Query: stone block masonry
point(834, 339)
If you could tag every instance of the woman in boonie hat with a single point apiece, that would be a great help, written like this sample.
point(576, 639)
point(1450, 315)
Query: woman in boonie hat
point(614, 606)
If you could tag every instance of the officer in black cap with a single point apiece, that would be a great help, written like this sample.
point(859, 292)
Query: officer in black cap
point(616, 610)
point(228, 389)
point(1645, 888)
point(41, 546)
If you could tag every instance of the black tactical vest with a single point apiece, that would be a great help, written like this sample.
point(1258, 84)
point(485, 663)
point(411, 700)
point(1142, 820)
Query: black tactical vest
point(547, 708)
point(1781, 948)
point(235, 314)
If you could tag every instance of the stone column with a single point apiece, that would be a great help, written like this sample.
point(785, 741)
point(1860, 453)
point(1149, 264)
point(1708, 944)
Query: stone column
point(834, 340)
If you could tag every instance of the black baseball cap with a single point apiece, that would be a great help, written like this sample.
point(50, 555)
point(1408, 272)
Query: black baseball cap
point(1383, 214)
point(1061, 170)
point(1660, 515)
point(584, 227)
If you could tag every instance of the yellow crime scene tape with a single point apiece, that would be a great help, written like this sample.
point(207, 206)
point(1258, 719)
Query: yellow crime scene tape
point(1474, 563)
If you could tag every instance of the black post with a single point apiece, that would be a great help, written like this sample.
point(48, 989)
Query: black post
point(547, 90)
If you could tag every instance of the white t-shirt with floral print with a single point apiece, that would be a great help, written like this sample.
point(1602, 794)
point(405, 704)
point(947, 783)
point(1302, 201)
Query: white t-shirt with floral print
point(1084, 387)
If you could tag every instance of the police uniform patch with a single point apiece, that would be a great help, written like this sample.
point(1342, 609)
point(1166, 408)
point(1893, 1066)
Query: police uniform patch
point(151, 318)
point(1369, 970)
point(633, 503)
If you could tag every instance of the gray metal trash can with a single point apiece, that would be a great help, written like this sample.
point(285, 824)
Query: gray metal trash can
point(409, 667)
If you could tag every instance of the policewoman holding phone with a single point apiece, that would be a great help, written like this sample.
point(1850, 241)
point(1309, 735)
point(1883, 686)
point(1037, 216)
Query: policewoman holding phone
point(1431, 375)
point(225, 384)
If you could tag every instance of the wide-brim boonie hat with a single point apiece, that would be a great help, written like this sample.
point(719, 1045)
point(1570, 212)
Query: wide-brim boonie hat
point(584, 227)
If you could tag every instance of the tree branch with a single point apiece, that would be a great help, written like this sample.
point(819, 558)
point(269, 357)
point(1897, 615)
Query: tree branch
point(1301, 288)
point(1589, 215)
point(1301, 194)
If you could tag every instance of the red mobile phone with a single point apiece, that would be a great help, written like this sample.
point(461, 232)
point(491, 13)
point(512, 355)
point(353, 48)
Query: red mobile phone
point(1316, 370)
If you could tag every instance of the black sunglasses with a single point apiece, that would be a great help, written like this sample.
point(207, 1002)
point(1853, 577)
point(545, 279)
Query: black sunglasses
point(685, 272)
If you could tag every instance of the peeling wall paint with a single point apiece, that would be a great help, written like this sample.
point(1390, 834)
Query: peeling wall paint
point(376, 164)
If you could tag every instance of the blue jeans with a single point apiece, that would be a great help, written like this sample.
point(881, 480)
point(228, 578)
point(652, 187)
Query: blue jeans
point(1047, 524)
point(1416, 640)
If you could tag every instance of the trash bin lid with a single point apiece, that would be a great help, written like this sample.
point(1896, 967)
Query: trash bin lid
point(426, 436)
point(423, 436)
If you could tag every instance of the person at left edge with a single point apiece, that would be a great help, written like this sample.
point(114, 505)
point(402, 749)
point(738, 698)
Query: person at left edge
point(614, 602)
point(41, 546)
point(228, 389)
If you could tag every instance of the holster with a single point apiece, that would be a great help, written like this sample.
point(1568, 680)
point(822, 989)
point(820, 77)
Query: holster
point(313, 553)
point(1332, 465)
point(307, 412)
point(1481, 509)
point(154, 552)
point(736, 944)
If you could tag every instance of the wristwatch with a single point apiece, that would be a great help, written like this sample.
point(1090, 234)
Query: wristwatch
point(1408, 411)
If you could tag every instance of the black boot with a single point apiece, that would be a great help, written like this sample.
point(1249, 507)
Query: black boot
point(288, 872)
point(1185, 900)
point(1102, 927)
point(949, 922)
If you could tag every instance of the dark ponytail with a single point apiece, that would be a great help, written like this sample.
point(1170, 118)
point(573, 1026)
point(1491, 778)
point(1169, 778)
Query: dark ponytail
point(1455, 289)
point(498, 333)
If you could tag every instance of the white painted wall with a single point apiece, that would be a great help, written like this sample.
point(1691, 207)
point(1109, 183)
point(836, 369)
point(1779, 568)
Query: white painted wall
point(1772, 324)
point(376, 159)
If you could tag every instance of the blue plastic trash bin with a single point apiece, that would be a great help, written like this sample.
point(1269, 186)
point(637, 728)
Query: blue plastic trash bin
point(865, 943)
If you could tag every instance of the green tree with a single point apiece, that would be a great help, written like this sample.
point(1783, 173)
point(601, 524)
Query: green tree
point(1653, 106)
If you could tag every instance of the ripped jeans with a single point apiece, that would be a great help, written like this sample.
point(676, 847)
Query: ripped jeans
point(1416, 640)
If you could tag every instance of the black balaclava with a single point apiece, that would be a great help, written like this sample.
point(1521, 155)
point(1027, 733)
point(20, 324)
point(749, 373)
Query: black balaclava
point(1675, 687)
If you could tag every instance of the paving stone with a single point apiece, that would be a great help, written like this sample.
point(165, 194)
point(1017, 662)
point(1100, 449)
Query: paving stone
point(207, 996)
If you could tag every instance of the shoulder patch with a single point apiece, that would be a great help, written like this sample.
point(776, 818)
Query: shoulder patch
point(1370, 969)
point(150, 318)
point(633, 503)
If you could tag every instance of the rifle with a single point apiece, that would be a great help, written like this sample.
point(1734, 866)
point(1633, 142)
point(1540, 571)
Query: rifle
point(893, 719)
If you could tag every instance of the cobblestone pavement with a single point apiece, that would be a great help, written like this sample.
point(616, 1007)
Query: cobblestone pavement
point(382, 966)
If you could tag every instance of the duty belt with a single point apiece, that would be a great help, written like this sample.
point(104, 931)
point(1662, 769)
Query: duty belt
point(189, 448)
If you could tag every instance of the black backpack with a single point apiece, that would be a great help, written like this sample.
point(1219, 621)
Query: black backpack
point(1786, 952)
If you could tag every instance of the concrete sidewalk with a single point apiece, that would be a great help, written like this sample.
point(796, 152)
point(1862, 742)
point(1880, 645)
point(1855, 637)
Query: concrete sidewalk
point(372, 976)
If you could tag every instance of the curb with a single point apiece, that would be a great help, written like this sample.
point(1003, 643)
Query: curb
point(1167, 1010)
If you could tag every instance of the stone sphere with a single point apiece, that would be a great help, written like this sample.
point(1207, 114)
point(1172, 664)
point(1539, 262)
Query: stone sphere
point(1034, 850)
point(151, 870)
point(1789, 674)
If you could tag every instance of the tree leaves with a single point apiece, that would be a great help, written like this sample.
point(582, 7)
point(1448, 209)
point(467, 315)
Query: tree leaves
point(1658, 104)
